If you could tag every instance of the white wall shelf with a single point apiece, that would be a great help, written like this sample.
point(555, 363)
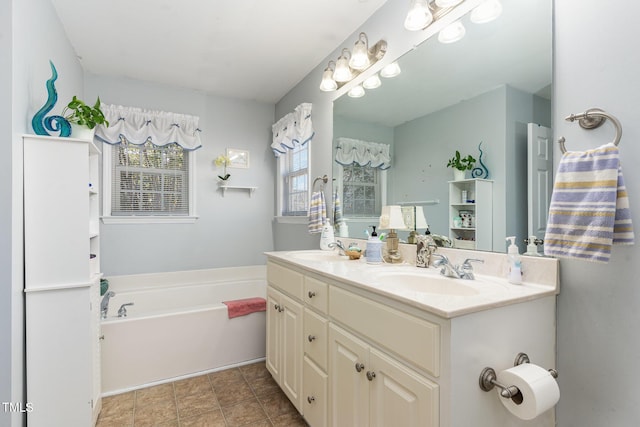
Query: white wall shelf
point(251, 190)
point(480, 234)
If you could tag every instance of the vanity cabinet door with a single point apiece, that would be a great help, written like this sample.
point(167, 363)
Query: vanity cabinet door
point(291, 350)
point(399, 396)
point(349, 388)
point(314, 397)
point(273, 333)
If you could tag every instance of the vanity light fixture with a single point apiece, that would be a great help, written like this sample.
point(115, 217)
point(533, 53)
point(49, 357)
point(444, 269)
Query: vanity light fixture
point(328, 84)
point(349, 65)
point(447, 3)
point(390, 70)
point(486, 11)
point(356, 92)
point(372, 82)
point(452, 33)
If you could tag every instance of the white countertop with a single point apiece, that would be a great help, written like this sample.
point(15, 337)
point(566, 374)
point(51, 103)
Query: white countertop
point(422, 288)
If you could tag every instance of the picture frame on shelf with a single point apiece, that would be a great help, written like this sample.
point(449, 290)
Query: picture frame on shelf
point(238, 158)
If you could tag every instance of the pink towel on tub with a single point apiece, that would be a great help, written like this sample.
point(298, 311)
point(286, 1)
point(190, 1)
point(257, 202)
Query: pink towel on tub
point(242, 307)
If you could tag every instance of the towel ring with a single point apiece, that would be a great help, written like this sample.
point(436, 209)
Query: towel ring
point(324, 180)
point(592, 119)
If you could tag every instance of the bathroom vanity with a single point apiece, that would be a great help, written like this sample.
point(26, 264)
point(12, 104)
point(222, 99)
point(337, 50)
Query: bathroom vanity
point(357, 344)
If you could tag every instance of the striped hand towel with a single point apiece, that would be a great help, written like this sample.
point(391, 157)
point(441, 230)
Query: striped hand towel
point(337, 211)
point(589, 206)
point(317, 212)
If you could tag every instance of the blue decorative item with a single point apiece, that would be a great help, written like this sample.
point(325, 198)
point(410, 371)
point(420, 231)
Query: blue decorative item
point(40, 123)
point(480, 172)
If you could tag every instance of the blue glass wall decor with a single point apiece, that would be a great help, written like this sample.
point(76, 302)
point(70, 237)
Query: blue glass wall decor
point(481, 171)
point(42, 124)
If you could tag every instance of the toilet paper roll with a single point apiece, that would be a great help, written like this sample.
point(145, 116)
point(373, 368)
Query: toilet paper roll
point(539, 391)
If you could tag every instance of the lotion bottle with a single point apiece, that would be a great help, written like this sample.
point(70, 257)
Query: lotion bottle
point(374, 248)
point(515, 264)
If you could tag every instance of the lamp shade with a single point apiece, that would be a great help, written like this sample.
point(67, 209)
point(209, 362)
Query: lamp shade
point(452, 33)
point(419, 16)
point(356, 92)
point(328, 84)
point(421, 221)
point(343, 73)
point(390, 70)
point(372, 82)
point(447, 3)
point(487, 11)
point(360, 56)
point(391, 218)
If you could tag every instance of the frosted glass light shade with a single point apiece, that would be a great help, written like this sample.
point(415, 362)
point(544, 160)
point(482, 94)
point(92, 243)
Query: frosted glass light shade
point(356, 92)
point(390, 70)
point(391, 218)
point(487, 11)
point(418, 16)
point(342, 72)
point(360, 56)
point(372, 82)
point(328, 84)
point(452, 33)
point(421, 221)
point(447, 3)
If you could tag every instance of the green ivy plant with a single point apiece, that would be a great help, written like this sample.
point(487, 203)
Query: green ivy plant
point(461, 163)
point(82, 114)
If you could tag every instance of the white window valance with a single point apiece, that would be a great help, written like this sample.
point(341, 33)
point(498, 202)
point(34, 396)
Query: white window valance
point(138, 126)
point(294, 128)
point(363, 153)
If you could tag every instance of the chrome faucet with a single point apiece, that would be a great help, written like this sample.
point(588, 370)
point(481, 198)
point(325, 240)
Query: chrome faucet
point(122, 311)
point(104, 304)
point(462, 271)
point(338, 244)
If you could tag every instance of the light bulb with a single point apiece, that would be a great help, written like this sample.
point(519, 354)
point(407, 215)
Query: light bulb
point(360, 56)
point(452, 33)
point(372, 82)
point(418, 16)
point(342, 72)
point(487, 11)
point(390, 70)
point(356, 92)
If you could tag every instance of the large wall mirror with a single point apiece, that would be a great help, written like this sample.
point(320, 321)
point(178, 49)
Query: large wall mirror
point(491, 87)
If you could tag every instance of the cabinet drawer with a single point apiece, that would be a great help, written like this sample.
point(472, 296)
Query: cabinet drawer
point(316, 294)
point(288, 280)
point(315, 394)
point(414, 339)
point(315, 337)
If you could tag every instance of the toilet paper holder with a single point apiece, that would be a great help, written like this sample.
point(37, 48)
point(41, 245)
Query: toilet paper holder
point(488, 379)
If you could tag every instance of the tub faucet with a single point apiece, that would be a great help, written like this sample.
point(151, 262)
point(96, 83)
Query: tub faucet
point(104, 305)
point(122, 311)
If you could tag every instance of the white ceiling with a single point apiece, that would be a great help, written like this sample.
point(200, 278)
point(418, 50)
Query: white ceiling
point(255, 50)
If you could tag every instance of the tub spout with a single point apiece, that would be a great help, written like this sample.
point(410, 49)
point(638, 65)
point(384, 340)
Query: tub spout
point(122, 311)
point(104, 305)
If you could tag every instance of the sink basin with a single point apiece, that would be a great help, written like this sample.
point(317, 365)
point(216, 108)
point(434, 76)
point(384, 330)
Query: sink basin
point(425, 283)
point(317, 255)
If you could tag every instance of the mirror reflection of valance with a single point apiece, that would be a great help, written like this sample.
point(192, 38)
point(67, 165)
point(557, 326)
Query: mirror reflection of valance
point(138, 126)
point(294, 128)
point(363, 153)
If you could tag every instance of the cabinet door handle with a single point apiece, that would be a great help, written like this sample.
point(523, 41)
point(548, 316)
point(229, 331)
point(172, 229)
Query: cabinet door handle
point(359, 367)
point(310, 399)
point(280, 309)
point(312, 294)
point(311, 338)
point(101, 337)
point(371, 375)
point(276, 307)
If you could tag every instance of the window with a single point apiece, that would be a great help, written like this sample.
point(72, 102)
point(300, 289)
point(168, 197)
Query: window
point(360, 191)
point(295, 181)
point(148, 183)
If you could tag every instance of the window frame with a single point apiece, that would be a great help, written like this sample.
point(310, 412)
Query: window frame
point(382, 190)
point(281, 187)
point(108, 218)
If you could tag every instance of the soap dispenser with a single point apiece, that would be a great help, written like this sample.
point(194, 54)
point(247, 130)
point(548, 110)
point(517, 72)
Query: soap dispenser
point(374, 248)
point(327, 237)
point(425, 247)
point(515, 265)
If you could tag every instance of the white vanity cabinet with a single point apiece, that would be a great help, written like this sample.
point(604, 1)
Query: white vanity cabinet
point(62, 280)
point(284, 331)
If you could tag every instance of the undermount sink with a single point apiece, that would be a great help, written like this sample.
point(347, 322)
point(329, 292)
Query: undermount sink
point(317, 255)
point(425, 283)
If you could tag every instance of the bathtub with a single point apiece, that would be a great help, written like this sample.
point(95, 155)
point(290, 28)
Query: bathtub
point(178, 326)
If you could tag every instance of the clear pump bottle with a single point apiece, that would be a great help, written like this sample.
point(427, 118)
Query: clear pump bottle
point(515, 263)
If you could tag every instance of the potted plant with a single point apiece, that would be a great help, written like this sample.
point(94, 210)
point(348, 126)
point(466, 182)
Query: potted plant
point(83, 118)
point(460, 165)
point(223, 161)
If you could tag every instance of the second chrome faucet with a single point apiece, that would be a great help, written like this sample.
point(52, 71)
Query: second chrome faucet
point(462, 271)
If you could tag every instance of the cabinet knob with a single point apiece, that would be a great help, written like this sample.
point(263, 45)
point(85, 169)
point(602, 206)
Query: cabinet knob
point(311, 338)
point(276, 307)
point(359, 367)
point(280, 309)
point(101, 337)
point(312, 294)
point(371, 375)
point(310, 399)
